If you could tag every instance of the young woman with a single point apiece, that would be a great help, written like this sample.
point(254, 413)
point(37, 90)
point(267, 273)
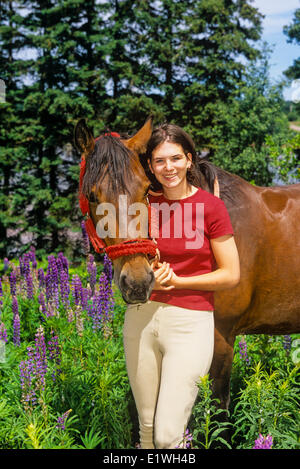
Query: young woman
point(169, 340)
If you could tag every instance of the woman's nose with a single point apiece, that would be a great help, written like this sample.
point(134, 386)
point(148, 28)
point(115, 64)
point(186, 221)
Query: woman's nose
point(168, 164)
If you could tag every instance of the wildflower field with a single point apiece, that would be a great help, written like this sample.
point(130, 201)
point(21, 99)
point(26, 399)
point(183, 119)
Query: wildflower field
point(63, 380)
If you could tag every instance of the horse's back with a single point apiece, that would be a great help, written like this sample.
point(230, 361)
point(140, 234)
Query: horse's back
point(267, 228)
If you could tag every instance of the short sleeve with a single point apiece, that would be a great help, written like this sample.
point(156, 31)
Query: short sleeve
point(218, 220)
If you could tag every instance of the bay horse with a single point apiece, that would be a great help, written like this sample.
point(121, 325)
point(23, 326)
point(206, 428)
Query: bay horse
point(266, 223)
point(112, 169)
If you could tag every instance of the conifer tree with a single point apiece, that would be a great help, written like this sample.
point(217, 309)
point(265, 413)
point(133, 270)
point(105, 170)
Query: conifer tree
point(12, 149)
point(293, 33)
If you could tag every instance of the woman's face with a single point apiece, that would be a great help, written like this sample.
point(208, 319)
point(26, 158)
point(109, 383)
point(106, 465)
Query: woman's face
point(169, 164)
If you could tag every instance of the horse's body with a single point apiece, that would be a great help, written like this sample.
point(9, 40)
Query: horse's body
point(266, 223)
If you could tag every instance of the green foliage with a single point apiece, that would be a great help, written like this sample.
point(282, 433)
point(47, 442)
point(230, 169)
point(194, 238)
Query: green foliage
point(268, 405)
point(91, 388)
point(284, 155)
point(209, 421)
point(86, 400)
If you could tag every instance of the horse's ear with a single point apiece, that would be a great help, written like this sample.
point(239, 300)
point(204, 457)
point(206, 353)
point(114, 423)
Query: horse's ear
point(83, 137)
point(139, 141)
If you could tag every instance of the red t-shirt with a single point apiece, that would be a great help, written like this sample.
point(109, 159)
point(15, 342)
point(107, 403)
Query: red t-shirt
point(183, 230)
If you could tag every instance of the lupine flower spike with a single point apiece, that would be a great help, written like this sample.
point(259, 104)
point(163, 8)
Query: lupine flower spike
point(243, 350)
point(263, 442)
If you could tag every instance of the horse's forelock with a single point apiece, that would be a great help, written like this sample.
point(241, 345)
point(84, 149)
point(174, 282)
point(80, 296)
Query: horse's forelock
point(110, 160)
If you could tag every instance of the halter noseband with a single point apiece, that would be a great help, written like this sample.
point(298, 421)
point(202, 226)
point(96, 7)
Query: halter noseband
point(127, 247)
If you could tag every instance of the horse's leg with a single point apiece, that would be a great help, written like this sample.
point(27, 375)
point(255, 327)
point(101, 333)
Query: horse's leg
point(220, 369)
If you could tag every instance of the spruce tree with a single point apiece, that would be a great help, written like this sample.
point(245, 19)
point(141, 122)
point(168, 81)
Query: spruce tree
point(12, 148)
point(49, 177)
point(293, 33)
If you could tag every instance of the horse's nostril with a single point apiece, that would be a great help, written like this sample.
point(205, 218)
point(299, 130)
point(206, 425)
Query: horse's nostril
point(123, 283)
point(151, 275)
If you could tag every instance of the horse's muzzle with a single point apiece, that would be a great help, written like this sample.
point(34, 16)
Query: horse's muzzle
point(134, 291)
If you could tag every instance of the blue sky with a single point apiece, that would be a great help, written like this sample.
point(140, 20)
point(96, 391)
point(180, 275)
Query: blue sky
point(279, 13)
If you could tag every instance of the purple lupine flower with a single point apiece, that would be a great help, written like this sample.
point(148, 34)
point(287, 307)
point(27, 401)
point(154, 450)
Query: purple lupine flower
point(76, 289)
point(92, 270)
point(15, 306)
point(48, 285)
point(107, 268)
point(16, 322)
point(41, 278)
point(104, 296)
point(60, 267)
point(1, 292)
point(85, 239)
point(6, 264)
point(16, 330)
point(263, 442)
point(243, 350)
point(32, 257)
point(40, 358)
point(287, 343)
point(61, 421)
point(52, 293)
point(25, 264)
point(13, 283)
point(64, 288)
point(54, 354)
point(21, 266)
point(84, 298)
point(52, 271)
point(29, 285)
point(94, 311)
point(28, 397)
point(42, 303)
point(101, 310)
point(3, 332)
point(64, 262)
point(186, 440)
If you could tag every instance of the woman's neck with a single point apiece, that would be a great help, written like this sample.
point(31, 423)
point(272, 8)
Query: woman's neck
point(179, 192)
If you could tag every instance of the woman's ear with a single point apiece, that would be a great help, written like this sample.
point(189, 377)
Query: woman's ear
point(190, 162)
point(150, 166)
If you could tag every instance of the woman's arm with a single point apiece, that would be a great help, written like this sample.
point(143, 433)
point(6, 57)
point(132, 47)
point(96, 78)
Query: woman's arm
point(227, 275)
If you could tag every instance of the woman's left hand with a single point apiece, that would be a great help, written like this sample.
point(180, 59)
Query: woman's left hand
point(164, 276)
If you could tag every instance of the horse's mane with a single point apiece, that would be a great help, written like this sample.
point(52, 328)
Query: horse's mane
point(110, 158)
point(231, 187)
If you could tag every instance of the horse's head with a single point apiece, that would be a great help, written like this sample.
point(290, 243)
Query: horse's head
point(116, 187)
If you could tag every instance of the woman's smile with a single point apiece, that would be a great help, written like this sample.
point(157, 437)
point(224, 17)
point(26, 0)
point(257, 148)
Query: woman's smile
point(170, 176)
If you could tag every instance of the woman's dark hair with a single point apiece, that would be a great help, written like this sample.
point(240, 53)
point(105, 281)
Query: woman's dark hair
point(201, 174)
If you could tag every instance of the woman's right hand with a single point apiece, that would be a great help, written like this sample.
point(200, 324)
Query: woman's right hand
point(163, 274)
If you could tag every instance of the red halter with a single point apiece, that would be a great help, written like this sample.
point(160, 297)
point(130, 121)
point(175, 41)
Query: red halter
point(126, 248)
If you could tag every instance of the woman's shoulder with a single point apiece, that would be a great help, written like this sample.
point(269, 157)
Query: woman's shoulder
point(209, 198)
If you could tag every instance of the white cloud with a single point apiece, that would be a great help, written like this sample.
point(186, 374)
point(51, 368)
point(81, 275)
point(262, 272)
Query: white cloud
point(276, 7)
point(277, 13)
point(275, 24)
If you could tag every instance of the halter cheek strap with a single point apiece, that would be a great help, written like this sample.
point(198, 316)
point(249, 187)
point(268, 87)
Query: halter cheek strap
point(126, 248)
